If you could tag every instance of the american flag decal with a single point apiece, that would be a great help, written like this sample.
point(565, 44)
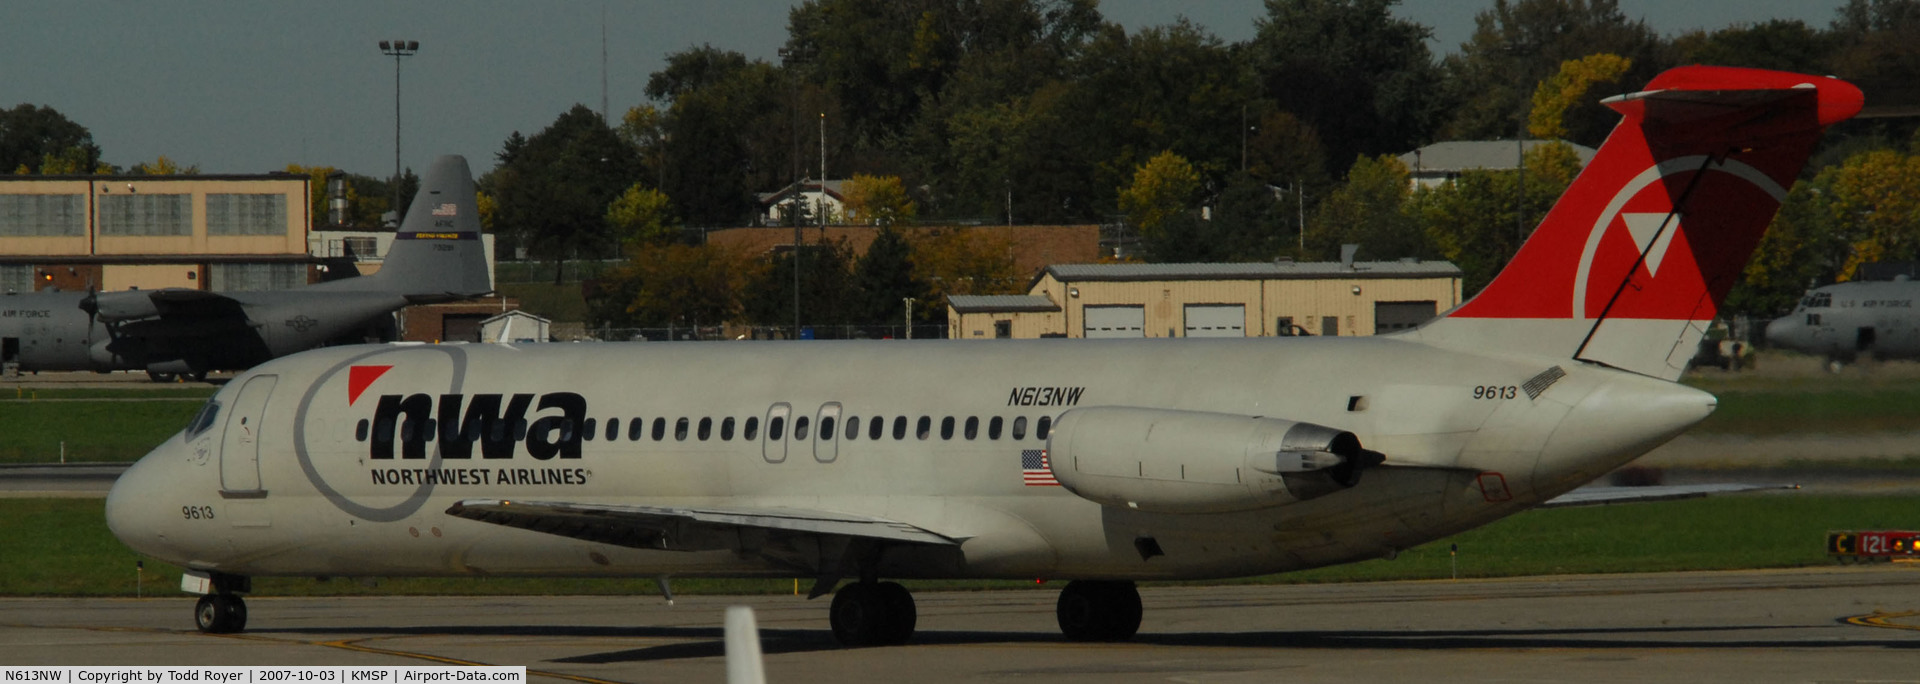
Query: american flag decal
point(448, 209)
point(1034, 469)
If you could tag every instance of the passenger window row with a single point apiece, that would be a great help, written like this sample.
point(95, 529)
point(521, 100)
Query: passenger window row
point(969, 427)
point(638, 429)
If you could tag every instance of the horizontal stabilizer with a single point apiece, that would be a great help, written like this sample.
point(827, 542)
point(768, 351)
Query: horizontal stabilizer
point(1600, 496)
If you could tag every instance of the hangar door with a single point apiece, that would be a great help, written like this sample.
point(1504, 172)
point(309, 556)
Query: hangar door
point(1216, 320)
point(1116, 321)
point(1391, 316)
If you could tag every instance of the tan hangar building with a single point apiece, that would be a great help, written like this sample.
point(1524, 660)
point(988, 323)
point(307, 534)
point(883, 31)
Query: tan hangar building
point(205, 232)
point(1213, 300)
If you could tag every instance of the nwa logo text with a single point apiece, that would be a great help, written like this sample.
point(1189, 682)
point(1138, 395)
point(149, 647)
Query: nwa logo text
point(498, 423)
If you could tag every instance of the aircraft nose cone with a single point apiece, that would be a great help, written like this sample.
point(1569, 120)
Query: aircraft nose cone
point(1778, 330)
point(136, 505)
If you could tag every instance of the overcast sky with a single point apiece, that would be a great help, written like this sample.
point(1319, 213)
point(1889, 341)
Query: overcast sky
point(248, 86)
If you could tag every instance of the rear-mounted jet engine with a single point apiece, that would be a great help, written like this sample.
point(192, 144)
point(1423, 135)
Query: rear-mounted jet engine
point(1195, 462)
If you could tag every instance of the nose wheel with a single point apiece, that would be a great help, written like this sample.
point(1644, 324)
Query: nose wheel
point(220, 613)
point(1098, 610)
point(873, 614)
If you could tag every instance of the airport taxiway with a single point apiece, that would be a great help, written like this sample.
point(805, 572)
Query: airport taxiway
point(1828, 624)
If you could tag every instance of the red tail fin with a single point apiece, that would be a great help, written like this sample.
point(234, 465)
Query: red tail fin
point(1633, 262)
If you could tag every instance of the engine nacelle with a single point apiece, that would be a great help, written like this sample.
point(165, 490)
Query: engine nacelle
point(1193, 462)
point(113, 307)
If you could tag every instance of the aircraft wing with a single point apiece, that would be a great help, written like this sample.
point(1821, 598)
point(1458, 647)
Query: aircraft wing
point(115, 307)
point(1602, 495)
point(686, 529)
point(184, 302)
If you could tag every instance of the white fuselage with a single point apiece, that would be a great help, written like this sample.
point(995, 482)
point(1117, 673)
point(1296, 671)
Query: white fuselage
point(284, 480)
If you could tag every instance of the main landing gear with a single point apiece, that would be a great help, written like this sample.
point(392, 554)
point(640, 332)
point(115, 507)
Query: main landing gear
point(869, 613)
point(1092, 610)
point(220, 613)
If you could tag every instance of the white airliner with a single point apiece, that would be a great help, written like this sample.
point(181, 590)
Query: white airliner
point(1096, 462)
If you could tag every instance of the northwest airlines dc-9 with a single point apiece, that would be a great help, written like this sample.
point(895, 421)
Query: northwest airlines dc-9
point(1095, 462)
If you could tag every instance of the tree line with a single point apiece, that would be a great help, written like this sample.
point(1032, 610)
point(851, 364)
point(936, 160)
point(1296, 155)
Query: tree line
point(1043, 112)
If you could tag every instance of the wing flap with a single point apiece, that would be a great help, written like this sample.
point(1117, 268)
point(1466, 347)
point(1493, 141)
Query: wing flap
point(685, 529)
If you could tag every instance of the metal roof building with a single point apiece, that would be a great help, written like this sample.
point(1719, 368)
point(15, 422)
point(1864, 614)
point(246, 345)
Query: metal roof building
point(1444, 161)
point(1213, 300)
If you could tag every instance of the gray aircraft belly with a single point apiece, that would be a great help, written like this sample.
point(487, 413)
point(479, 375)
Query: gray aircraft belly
point(332, 508)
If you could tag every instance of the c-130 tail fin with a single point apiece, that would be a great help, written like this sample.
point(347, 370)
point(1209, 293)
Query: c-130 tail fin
point(437, 254)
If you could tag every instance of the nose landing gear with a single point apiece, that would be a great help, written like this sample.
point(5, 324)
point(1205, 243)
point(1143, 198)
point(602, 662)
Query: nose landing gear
point(220, 614)
point(220, 609)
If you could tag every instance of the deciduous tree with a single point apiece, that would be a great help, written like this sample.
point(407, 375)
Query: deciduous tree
point(883, 277)
point(878, 200)
point(1471, 219)
point(1163, 188)
point(163, 167)
point(959, 261)
point(1360, 77)
point(1566, 88)
point(1369, 210)
point(32, 135)
point(674, 285)
point(1516, 44)
point(642, 217)
point(554, 188)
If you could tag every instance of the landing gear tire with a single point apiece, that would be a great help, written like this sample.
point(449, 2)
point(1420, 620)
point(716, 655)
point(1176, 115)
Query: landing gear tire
point(900, 611)
point(157, 376)
point(872, 614)
point(220, 613)
point(1099, 611)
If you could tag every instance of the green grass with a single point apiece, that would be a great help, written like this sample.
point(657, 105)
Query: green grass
point(32, 431)
point(179, 392)
point(61, 547)
point(1820, 410)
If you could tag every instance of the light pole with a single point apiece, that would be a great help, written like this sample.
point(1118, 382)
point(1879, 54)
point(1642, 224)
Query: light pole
point(823, 175)
point(397, 49)
point(909, 321)
point(793, 59)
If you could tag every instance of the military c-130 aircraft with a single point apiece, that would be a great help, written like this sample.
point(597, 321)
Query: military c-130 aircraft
point(1096, 462)
point(436, 256)
point(1847, 321)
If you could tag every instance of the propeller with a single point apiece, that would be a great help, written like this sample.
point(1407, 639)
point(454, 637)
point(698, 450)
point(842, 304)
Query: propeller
point(91, 305)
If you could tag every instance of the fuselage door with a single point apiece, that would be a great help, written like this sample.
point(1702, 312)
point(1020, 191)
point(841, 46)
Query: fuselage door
point(240, 442)
point(826, 445)
point(774, 446)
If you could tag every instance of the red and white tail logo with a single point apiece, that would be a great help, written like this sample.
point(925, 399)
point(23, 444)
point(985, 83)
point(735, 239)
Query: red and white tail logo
point(1632, 263)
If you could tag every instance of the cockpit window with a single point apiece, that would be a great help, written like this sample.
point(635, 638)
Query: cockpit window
point(204, 419)
point(1817, 300)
